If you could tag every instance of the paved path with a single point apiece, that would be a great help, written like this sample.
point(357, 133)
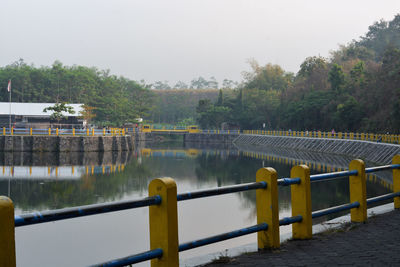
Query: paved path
point(376, 243)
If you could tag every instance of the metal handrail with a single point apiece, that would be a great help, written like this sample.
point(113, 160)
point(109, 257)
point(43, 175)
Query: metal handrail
point(67, 213)
point(221, 190)
point(144, 256)
point(222, 237)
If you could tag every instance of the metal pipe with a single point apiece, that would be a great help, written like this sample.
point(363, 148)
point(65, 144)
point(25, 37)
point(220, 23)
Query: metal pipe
point(222, 237)
point(331, 210)
point(382, 168)
point(288, 181)
point(61, 214)
point(382, 198)
point(148, 255)
point(325, 176)
point(220, 191)
point(290, 220)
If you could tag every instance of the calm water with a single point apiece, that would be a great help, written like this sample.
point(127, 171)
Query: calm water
point(34, 186)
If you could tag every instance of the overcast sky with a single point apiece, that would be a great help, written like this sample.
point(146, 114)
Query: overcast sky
point(181, 39)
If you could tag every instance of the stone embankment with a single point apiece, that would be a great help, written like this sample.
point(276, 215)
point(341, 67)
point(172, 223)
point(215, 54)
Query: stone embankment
point(66, 143)
point(381, 153)
point(373, 152)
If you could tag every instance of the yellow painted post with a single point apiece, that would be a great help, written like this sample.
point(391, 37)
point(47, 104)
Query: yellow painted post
point(92, 131)
point(267, 208)
point(7, 233)
point(30, 131)
point(12, 131)
point(358, 191)
point(4, 130)
point(57, 131)
point(301, 202)
point(163, 221)
point(49, 131)
point(104, 131)
point(73, 131)
point(396, 181)
point(87, 131)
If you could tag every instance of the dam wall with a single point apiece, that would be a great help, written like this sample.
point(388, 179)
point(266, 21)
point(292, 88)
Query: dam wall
point(66, 143)
point(381, 153)
point(373, 152)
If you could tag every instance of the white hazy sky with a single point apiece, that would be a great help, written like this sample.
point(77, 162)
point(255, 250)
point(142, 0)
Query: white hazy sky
point(181, 39)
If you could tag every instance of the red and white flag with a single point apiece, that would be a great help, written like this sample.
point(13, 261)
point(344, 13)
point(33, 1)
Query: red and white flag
point(9, 86)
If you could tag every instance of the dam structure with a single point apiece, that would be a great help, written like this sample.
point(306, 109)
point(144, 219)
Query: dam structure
point(289, 146)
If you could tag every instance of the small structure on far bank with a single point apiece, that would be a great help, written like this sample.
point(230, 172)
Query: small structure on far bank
point(25, 115)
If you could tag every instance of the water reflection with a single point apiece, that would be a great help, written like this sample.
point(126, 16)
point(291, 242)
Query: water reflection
point(40, 184)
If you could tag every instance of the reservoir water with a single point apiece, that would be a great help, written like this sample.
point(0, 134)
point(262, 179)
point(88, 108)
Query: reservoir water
point(59, 181)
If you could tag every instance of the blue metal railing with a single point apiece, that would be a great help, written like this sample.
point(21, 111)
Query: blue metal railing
point(221, 191)
point(48, 216)
point(61, 214)
point(222, 237)
point(55, 215)
point(145, 256)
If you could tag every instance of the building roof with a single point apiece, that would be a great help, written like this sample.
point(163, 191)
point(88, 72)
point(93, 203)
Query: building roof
point(34, 109)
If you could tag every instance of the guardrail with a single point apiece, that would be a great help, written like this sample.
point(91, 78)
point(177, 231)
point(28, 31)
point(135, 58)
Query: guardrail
point(65, 132)
point(386, 138)
point(163, 216)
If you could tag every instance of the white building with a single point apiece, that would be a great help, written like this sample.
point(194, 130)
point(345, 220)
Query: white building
point(27, 114)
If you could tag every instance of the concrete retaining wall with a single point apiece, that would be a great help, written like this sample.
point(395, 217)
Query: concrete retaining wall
point(66, 143)
point(381, 153)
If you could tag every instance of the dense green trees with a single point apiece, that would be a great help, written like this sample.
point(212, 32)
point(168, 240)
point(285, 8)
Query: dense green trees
point(116, 100)
point(357, 89)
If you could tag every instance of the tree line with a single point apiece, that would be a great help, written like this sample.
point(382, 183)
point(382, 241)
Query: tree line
point(112, 100)
point(356, 89)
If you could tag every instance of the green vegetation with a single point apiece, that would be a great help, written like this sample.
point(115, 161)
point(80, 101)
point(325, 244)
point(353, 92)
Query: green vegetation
point(356, 89)
point(112, 100)
point(58, 110)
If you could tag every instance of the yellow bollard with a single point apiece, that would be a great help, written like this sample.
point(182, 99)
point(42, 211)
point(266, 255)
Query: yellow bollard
point(30, 131)
point(12, 131)
point(358, 191)
point(4, 130)
point(49, 131)
point(163, 221)
point(267, 208)
point(7, 233)
point(92, 131)
point(396, 181)
point(57, 131)
point(301, 202)
point(73, 131)
point(87, 132)
point(104, 131)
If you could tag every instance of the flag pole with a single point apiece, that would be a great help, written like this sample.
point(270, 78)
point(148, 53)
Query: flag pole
point(9, 90)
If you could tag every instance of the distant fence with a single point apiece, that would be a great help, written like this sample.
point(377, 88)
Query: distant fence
point(163, 221)
point(65, 131)
point(386, 138)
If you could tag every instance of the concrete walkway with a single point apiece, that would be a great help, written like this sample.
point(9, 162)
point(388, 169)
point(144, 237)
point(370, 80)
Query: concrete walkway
point(375, 243)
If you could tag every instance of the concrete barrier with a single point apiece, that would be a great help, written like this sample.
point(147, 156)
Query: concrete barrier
point(66, 143)
point(369, 151)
